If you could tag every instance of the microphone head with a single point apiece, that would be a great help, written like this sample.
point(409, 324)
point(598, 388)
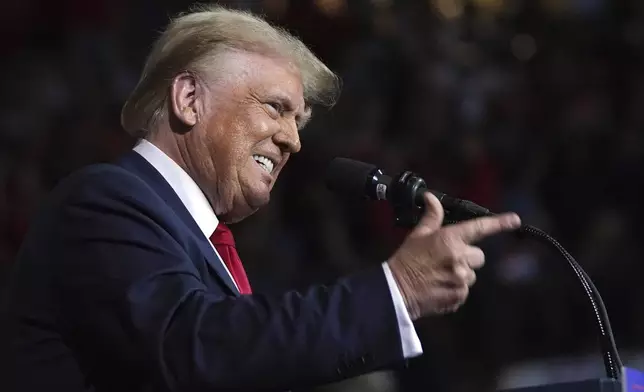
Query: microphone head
point(349, 177)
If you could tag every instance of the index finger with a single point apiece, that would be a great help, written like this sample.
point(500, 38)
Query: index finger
point(476, 229)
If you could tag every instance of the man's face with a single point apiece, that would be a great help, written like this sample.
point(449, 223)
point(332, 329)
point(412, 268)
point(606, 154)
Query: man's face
point(248, 131)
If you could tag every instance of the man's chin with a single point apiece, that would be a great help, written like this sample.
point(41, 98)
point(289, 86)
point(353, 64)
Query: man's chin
point(253, 203)
point(238, 215)
point(259, 200)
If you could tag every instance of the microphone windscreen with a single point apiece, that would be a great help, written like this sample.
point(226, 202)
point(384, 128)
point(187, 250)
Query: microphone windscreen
point(349, 177)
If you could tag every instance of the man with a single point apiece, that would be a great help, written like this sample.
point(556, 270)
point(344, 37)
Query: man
point(125, 282)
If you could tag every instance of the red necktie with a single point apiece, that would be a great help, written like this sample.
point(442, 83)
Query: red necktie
point(224, 242)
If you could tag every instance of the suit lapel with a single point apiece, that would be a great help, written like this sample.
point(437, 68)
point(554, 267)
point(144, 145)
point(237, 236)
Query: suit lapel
point(135, 163)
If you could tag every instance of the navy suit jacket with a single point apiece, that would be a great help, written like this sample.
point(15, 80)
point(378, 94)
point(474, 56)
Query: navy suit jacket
point(116, 289)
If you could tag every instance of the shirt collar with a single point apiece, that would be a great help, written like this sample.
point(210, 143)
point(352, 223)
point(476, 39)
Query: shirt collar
point(184, 186)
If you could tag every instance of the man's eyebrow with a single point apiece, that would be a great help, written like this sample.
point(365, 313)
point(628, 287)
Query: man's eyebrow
point(303, 119)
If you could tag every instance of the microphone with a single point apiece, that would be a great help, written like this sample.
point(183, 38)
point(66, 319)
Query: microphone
point(405, 192)
point(361, 180)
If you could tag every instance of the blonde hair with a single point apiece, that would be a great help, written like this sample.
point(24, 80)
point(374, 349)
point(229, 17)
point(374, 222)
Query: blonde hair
point(194, 40)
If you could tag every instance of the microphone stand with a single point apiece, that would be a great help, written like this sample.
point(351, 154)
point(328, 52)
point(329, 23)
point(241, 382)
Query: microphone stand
point(407, 198)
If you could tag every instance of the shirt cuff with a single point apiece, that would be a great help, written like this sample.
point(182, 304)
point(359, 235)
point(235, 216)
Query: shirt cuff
point(411, 346)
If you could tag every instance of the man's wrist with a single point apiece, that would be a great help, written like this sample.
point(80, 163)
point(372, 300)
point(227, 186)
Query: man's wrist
point(410, 342)
point(403, 284)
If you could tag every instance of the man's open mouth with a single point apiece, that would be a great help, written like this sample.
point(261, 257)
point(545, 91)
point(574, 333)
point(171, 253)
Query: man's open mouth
point(265, 162)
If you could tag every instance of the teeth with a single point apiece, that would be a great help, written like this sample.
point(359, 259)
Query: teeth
point(264, 162)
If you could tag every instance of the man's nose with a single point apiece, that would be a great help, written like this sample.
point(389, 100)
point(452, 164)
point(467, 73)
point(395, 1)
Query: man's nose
point(288, 138)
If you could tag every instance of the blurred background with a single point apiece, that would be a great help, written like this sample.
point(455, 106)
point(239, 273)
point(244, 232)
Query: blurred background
point(535, 106)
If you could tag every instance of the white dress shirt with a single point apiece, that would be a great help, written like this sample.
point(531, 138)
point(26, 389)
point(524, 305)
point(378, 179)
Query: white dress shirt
point(202, 212)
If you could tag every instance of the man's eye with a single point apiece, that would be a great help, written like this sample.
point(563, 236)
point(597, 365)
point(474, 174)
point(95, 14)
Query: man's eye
point(276, 107)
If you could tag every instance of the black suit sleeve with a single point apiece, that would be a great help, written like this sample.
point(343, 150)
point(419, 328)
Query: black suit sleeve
point(129, 292)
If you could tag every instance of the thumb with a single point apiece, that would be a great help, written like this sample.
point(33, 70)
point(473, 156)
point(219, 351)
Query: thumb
point(433, 217)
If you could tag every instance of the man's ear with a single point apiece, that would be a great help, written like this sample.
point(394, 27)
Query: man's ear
point(184, 95)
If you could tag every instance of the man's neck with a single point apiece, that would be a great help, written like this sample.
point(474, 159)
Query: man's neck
point(173, 145)
point(165, 140)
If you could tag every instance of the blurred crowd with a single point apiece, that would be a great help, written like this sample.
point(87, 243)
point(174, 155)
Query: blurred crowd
point(524, 105)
